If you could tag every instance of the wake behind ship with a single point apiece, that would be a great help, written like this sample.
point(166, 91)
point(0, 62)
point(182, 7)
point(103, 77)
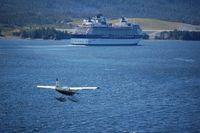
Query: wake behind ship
point(96, 31)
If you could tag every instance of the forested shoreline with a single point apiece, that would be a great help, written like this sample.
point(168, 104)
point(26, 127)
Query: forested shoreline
point(178, 35)
point(53, 34)
point(42, 33)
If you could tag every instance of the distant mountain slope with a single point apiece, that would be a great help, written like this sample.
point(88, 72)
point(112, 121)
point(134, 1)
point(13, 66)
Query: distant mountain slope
point(21, 12)
point(155, 24)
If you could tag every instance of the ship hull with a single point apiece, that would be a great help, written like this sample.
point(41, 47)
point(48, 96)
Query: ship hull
point(104, 42)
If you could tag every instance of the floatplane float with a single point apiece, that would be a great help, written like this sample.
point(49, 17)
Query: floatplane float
point(65, 90)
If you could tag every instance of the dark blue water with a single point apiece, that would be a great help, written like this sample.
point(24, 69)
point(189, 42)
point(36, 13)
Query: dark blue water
point(154, 87)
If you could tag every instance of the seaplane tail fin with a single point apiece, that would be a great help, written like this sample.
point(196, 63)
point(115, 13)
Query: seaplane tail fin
point(46, 87)
point(57, 83)
point(83, 88)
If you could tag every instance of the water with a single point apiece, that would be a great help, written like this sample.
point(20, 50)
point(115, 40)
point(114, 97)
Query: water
point(154, 87)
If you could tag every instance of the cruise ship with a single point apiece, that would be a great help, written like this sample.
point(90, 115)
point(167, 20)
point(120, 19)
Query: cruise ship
point(96, 31)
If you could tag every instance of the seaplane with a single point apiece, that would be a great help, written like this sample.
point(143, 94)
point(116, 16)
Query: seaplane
point(65, 90)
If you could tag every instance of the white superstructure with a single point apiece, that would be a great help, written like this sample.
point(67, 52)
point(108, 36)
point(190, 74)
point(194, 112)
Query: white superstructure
point(96, 31)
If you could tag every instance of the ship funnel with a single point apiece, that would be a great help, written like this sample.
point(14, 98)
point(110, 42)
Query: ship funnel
point(89, 19)
point(99, 15)
point(123, 19)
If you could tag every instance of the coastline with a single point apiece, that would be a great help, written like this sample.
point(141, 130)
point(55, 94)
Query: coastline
point(152, 28)
point(152, 35)
point(10, 38)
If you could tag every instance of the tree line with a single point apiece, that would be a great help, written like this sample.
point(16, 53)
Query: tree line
point(52, 33)
point(43, 33)
point(178, 35)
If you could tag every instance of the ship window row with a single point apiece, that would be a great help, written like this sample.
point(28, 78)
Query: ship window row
point(82, 30)
point(109, 31)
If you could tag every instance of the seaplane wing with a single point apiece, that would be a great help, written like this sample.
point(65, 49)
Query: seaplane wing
point(46, 87)
point(82, 88)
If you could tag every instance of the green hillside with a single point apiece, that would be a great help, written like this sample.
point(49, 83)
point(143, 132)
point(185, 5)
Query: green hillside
point(156, 24)
point(152, 24)
point(26, 12)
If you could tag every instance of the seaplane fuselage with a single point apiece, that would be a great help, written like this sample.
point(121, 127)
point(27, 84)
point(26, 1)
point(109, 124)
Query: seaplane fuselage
point(66, 92)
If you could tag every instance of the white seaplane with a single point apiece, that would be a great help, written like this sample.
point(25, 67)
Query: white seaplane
point(68, 91)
